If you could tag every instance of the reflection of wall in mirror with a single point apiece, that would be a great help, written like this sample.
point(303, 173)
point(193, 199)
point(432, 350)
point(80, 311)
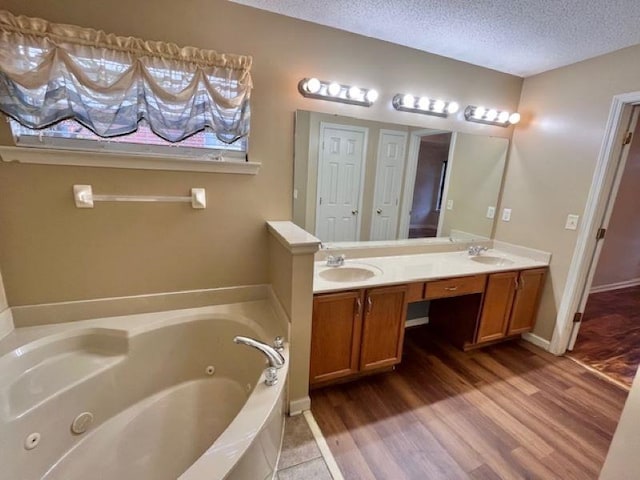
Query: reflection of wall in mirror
point(476, 171)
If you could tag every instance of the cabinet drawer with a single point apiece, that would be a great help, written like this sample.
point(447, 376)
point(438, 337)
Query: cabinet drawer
point(454, 287)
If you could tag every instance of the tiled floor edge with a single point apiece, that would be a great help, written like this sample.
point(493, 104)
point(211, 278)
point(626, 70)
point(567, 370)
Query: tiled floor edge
point(332, 465)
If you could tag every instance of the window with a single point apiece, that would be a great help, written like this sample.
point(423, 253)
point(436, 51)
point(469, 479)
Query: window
point(67, 87)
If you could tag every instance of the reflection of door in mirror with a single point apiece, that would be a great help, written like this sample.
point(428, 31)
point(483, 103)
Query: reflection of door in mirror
point(429, 184)
point(388, 182)
point(341, 155)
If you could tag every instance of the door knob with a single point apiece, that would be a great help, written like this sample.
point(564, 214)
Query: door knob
point(379, 211)
point(354, 212)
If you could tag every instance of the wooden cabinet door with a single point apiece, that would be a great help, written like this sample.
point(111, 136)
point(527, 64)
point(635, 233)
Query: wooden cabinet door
point(383, 327)
point(525, 305)
point(335, 335)
point(496, 309)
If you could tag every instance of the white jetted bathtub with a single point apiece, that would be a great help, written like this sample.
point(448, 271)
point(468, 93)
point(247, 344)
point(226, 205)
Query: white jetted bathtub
point(147, 397)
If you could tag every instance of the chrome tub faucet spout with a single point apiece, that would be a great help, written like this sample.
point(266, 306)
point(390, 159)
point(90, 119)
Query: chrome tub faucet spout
point(274, 357)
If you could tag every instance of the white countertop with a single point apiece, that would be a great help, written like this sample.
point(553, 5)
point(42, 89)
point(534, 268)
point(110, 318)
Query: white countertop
point(393, 270)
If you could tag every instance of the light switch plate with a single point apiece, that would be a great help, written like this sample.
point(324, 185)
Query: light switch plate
point(506, 214)
point(572, 222)
point(491, 212)
point(449, 204)
point(295, 193)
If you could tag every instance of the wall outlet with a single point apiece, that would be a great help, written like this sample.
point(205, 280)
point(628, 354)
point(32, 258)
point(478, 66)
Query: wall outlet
point(449, 204)
point(491, 212)
point(506, 214)
point(572, 222)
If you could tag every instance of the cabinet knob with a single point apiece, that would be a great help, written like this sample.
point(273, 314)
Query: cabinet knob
point(379, 211)
point(354, 212)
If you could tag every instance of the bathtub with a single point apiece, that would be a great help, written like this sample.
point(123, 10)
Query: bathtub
point(147, 397)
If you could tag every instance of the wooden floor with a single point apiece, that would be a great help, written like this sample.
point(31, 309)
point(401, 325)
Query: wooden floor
point(609, 338)
point(510, 411)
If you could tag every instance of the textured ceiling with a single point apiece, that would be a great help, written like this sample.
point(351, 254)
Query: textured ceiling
point(521, 37)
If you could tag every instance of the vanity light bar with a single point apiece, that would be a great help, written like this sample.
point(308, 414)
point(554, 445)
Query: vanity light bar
point(428, 106)
point(491, 116)
point(337, 92)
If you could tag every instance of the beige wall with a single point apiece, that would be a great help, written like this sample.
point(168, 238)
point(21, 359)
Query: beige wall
point(620, 256)
point(50, 251)
point(553, 157)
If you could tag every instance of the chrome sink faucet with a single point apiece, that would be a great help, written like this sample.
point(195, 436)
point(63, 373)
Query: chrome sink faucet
point(335, 260)
point(274, 357)
point(475, 250)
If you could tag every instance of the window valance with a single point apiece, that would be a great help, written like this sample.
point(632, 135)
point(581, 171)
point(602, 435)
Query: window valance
point(52, 72)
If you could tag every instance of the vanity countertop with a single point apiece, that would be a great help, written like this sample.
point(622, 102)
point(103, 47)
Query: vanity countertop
point(398, 269)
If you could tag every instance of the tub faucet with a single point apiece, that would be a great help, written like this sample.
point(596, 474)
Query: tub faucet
point(475, 250)
point(275, 358)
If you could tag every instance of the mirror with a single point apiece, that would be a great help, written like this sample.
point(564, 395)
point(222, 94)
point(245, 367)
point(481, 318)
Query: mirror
point(359, 180)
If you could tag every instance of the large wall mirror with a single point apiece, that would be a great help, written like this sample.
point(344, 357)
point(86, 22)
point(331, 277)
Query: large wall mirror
point(359, 180)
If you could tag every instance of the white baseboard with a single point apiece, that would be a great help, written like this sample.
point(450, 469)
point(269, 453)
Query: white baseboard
point(537, 341)
point(6, 323)
point(414, 322)
point(615, 286)
point(299, 405)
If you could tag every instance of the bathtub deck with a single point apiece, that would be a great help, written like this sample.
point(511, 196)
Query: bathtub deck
point(510, 411)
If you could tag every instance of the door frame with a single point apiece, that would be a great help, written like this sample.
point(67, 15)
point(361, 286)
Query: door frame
point(411, 169)
point(365, 143)
point(601, 190)
point(381, 132)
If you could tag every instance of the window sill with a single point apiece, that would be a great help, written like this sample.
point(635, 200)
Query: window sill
point(46, 156)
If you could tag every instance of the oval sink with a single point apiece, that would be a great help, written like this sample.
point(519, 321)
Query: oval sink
point(349, 273)
point(490, 260)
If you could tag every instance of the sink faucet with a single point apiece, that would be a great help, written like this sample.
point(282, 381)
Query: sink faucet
point(475, 250)
point(335, 260)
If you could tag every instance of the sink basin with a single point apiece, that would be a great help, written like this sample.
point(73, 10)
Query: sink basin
point(491, 260)
point(349, 273)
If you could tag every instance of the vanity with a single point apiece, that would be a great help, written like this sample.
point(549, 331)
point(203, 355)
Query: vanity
point(360, 308)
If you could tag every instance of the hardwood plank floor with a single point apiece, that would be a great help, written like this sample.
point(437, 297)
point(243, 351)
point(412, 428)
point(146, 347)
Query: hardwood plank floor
point(609, 338)
point(510, 411)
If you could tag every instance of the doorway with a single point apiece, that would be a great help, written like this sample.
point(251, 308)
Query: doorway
point(608, 337)
point(428, 190)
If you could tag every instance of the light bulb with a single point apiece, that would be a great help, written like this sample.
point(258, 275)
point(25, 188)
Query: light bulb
point(438, 106)
point(491, 115)
point(423, 103)
point(313, 85)
point(514, 118)
point(479, 112)
point(372, 95)
point(503, 117)
point(408, 101)
point(334, 89)
point(355, 93)
point(453, 107)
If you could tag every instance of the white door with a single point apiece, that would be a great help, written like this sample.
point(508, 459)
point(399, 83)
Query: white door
point(340, 179)
point(386, 197)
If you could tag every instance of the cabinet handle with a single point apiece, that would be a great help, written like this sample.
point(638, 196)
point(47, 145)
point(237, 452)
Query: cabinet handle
point(515, 280)
point(369, 305)
point(358, 306)
point(451, 289)
point(522, 282)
